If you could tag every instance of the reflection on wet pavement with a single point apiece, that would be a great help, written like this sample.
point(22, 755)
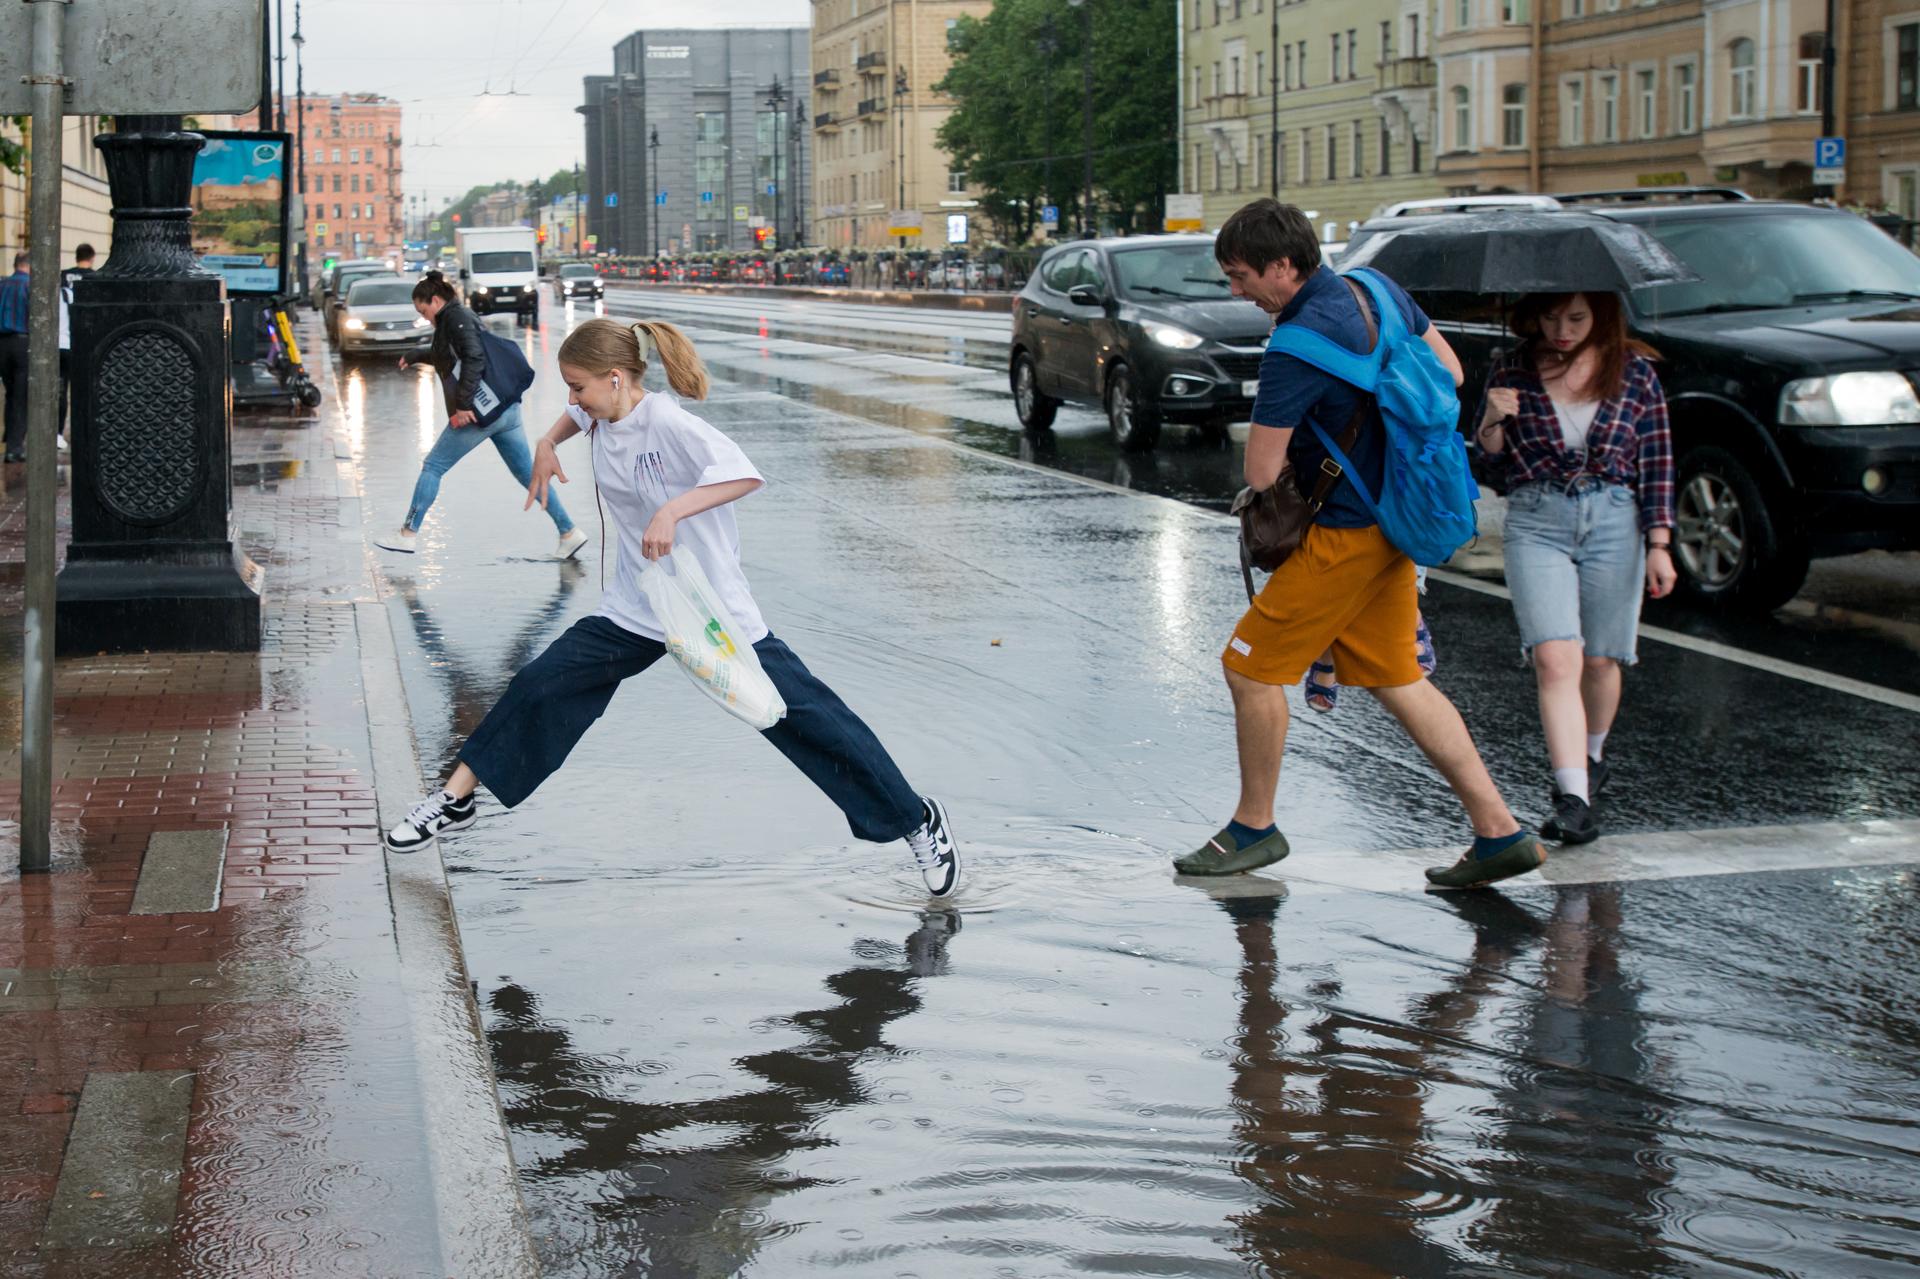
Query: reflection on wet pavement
point(730, 1041)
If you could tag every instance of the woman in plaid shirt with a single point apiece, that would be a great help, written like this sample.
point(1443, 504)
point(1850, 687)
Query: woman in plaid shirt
point(1574, 428)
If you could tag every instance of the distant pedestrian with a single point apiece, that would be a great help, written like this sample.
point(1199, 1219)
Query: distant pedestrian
point(1574, 427)
point(82, 268)
point(460, 359)
point(1345, 588)
point(13, 355)
point(669, 481)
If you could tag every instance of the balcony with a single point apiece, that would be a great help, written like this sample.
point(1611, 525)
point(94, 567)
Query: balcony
point(871, 62)
point(1227, 106)
point(1400, 74)
point(826, 122)
point(828, 79)
point(871, 106)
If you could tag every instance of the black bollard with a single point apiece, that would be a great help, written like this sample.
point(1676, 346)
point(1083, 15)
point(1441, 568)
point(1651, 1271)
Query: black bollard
point(152, 564)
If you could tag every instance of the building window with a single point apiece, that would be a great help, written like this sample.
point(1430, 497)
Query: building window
point(953, 34)
point(1386, 150)
point(1253, 160)
point(1813, 47)
point(1686, 94)
point(1462, 14)
point(1333, 154)
point(1217, 167)
point(1353, 42)
point(1286, 66)
point(1573, 113)
point(1216, 79)
point(1576, 8)
point(1333, 65)
point(1645, 85)
point(337, 214)
point(336, 155)
point(339, 183)
point(1513, 116)
point(1906, 67)
point(1279, 155)
point(353, 212)
point(1740, 104)
point(1462, 119)
point(353, 182)
point(1610, 107)
point(353, 155)
point(369, 213)
point(1199, 85)
point(1300, 57)
point(1513, 11)
point(1260, 73)
point(1357, 148)
point(1306, 157)
point(956, 182)
point(1233, 75)
point(1386, 41)
point(1413, 35)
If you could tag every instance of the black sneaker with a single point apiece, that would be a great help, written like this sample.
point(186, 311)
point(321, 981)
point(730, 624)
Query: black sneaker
point(934, 850)
point(434, 815)
point(1597, 775)
point(1572, 821)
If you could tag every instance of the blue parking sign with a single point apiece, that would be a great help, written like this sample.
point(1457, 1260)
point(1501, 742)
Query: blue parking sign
point(1050, 213)
point(1829, 153)
point(706, 197)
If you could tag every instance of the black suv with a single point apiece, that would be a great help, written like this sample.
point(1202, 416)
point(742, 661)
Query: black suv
point(1146, 327)
point(1792, 373)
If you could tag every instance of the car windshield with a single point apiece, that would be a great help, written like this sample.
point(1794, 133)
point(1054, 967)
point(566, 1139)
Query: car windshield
point(576, 273)
point(380, 293)
point(1775, 260)
point(493, 263)
point(1186, 272)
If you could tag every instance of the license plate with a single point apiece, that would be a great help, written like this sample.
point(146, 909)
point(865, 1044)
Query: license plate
point(1250, 389)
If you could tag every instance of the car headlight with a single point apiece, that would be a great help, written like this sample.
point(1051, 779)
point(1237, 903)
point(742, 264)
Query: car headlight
point(1849, 399)
point(1172, 335)
point(355, 323)
point(421, 322)
point(482, 291)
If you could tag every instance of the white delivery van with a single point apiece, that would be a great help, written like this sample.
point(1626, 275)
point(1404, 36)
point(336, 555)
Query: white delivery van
point(497, 268)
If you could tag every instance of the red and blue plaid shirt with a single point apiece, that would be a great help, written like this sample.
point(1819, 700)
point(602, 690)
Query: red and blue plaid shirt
point(1629, 443)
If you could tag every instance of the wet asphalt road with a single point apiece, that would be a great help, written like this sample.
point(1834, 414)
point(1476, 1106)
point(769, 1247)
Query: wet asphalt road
point(731, 1040)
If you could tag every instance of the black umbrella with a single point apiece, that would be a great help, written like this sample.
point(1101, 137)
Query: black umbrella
point(1517, 251)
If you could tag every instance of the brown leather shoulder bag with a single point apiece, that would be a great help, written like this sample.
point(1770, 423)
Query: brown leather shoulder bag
point(1274, 520)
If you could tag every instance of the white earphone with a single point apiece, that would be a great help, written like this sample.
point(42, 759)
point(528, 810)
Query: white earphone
point(616, 381)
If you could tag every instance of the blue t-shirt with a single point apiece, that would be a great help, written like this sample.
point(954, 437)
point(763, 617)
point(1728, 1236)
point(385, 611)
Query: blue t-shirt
point(1294, 393)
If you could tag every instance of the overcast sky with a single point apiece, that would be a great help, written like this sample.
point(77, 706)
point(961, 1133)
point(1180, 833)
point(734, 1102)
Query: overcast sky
point(488, 87)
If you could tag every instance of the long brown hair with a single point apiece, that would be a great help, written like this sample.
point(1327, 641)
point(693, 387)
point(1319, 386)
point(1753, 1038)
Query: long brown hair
point(1607, 339)
point(600, 346)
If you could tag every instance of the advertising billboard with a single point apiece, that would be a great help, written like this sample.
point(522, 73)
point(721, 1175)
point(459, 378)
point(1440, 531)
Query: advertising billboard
point(240, 209)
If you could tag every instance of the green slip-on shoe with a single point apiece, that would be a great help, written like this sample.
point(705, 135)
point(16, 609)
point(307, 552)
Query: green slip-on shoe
point(1515, 859)
point(1221, 856)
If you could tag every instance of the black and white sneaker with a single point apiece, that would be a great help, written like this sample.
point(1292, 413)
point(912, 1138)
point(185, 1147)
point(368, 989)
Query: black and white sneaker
point(934, 850)
point(434, 815)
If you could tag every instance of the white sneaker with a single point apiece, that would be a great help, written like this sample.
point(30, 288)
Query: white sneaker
point(60, 442)
point(570, 544)
point(401, 541)
point(437, 813)
point(934, 850)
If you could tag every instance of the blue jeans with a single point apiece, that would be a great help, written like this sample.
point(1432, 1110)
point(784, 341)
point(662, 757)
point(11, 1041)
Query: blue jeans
point(456, 442)
point(555, 699)
point(1576, 566)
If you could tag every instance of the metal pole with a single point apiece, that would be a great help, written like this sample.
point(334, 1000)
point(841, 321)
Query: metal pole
point(1273, 99)
point(1088, 222)
point(43, 398)
point(265, 121)
point(1827, 61)
point(280, 56)
point(774, 99)
point(300, 144)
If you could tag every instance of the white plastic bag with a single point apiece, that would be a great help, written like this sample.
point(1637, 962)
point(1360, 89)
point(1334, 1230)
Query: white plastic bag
point(703, 638)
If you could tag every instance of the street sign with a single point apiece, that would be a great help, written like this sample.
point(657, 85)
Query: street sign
point(706, 197)
point(739, 213)
point(772, 189)
point(903, 222)
point(164, 57)
point(1050, 216)
point(1829, 153)
point(613, 199)
point(434, 225)
point(1184, 213)
point(320, 228)
point(956, 228)
point(756, 223)
point(593, 242)
point(661, 198)
point(1830, 177)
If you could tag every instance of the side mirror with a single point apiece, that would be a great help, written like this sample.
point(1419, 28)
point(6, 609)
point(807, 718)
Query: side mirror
point(1084, 295)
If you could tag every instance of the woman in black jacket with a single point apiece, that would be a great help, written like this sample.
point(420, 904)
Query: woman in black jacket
point(459, 358)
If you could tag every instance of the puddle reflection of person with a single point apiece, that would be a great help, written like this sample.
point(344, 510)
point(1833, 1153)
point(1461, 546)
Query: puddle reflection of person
point(670, 1193)
point(668, 480)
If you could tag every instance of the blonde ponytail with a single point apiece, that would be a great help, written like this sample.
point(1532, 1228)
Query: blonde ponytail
point(600, 346)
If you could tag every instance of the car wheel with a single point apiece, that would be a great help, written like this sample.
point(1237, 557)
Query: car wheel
point(1731, 546)
point(1035, 410)
point(1134, 422)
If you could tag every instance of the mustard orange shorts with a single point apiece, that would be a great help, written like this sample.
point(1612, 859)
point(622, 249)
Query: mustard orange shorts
point(1347, 589)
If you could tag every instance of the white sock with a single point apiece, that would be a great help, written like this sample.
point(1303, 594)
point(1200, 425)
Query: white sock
point(1596, 742)
point(1571, 781)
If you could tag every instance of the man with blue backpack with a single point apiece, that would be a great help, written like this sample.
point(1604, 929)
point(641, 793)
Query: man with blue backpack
point(1354, 427)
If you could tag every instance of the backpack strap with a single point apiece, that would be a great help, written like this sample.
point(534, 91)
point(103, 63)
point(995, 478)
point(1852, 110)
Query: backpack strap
point(1335, 463)
point(1322, 352)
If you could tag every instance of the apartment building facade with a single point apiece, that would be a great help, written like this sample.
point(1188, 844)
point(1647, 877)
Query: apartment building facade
point(877, 117)
point(1327, 104)
point(354, 195)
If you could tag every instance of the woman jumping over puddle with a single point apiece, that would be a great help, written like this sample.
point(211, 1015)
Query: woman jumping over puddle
point(669, 480)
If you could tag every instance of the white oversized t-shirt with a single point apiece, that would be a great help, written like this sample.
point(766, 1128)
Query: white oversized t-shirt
point(641, 462)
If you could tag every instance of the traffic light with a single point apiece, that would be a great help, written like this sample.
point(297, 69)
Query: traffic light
point(456, 218)
point(542, 237)
point(326, 264)
point(760, 234)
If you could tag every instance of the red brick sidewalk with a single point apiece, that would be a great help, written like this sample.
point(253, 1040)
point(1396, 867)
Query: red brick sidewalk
point(279, 1022)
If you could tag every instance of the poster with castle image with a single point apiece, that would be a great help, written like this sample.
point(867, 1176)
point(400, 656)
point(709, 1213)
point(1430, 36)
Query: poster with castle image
point(239, 209)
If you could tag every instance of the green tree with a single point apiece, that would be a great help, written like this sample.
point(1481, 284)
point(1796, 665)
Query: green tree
point(1018, 89)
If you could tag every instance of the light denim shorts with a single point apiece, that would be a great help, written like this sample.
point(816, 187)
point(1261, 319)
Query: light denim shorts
point(1576, 564)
